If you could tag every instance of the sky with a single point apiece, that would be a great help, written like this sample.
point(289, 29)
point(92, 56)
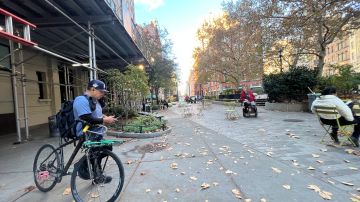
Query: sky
point(181, 18)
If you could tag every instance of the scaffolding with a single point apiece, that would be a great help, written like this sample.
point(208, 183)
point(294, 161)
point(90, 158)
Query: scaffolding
point(25, 40)
point(14, 38)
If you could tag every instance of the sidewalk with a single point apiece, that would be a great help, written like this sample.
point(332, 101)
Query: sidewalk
point(255, 156)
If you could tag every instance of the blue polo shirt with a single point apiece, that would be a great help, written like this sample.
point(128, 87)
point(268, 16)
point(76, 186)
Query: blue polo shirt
point(81, 106)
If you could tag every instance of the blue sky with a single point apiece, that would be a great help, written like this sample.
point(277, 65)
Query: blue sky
point(181, 18)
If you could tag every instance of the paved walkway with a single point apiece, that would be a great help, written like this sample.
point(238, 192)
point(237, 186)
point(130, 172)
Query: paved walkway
point(264, 158)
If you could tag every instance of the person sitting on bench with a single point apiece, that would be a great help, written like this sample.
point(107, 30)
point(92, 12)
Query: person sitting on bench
point(328, 98)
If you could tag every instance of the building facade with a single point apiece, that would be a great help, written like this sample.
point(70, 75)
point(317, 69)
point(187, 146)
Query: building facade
point(54, 70)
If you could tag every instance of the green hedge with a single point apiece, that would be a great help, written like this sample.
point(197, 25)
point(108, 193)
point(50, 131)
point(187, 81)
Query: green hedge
point(290, 85)
point(148, 123)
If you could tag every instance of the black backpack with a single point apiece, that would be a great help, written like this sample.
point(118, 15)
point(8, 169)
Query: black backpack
point(65, 119)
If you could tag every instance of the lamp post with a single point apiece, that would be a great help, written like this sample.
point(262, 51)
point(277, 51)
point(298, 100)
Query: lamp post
point(280, 59)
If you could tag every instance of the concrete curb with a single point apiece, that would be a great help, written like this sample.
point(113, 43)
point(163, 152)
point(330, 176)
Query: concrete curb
point(138, 135)
point(287, 107)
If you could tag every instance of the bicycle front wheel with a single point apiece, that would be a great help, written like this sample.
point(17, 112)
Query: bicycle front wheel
point(45, 168)
point(108, 177)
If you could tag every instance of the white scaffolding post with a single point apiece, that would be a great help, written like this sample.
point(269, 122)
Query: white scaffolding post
point(9, 29)
point(90, 53)
point(23, 84)
point(93, 53)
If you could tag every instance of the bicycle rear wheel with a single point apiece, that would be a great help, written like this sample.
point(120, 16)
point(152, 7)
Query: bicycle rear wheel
point(108, 177)
point(45, 168)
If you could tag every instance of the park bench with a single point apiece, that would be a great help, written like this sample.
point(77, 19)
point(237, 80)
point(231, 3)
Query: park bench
point(344, 130)
point(150, 114)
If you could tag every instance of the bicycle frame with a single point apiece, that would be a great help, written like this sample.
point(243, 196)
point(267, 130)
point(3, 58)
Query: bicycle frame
point(74, 153)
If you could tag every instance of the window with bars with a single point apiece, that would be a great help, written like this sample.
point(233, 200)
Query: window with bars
point(41, 77)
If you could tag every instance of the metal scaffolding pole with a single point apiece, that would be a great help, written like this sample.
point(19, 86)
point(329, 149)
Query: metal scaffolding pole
point(23, 83)
point(9, 29)
point(90, 53)
point(94, 54)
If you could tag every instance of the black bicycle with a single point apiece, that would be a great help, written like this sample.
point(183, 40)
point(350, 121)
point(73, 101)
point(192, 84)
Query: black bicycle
point(97, 176)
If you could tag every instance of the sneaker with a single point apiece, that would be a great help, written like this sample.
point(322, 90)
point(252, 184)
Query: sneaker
point(335, 138)
point(102, 179)
point(354, 140)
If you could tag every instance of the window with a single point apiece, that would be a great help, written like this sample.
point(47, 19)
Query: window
point(4, 50)
point(41, 76)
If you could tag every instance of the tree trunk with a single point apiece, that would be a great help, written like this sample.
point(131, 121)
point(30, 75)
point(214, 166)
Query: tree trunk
point(157, 95)
point(321, 63)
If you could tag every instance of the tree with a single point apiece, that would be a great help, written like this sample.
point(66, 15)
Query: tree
point(311, 25)
point(163, 67)
point(127, 88)
point(234, 45)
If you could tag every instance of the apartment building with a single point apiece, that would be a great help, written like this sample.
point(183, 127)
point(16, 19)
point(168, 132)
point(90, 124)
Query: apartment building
point(337, 53)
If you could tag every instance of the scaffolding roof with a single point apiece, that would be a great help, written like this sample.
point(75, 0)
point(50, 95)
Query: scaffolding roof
point(57, 33)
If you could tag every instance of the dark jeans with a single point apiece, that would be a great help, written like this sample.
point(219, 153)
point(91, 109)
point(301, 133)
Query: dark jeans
point(343, 121)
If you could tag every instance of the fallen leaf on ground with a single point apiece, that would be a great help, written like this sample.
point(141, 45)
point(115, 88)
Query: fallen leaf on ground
point(349, 151)
point(251, 152)
point(269, 154)
point(29, 188)
point(94, 195)
point(323, 150)
point(205, 185)
point(331, 182)
point(355, 196)
point(319, 161)
point(315, 155)
point(173, 165)
point(314, 187)
point(237, 193)
point(347, 183)
point(311, 168)
point(325, 195)
point(346, 161)
point(193, 178)
point(277, 170)
point(147, 190)
point(353, 168)
point(67, 191)
point(354, 199)
point(286, 186)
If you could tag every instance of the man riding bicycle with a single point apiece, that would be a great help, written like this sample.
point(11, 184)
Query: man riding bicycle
point(87, 108)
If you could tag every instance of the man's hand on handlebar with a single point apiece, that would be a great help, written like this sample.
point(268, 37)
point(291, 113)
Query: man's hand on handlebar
point(109, 119)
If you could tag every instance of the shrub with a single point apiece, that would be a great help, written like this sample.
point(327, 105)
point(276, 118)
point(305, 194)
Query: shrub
point(344, 81)
point(148, 124)
point(291, 85)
